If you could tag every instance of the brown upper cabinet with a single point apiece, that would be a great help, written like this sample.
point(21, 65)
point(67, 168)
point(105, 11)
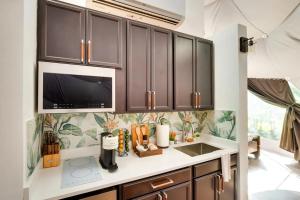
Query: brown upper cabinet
point(149, 68)
point(193, 73)
point(204, 74)
point(71, 34)
point(155, 72)
point(161, 69)
point(138, 67)
point(104, 40)
point(184, 70)
point(61, 32)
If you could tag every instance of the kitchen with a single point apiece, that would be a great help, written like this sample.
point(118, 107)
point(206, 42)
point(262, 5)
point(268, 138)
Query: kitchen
point(173, 129)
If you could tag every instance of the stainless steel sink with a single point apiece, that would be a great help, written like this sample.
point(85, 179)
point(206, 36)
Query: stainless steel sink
point(197, 149)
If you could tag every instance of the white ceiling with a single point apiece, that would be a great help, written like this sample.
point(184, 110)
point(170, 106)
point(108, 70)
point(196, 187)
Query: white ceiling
point(278, 55)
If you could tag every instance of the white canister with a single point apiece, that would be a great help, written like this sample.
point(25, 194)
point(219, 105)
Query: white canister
point(162, 135)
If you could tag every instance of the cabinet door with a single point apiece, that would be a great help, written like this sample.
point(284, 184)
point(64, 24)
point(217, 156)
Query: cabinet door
point(152, 196)
point(104, 40)
point(61, 32)
point(182, 192)
point(138, 67)
point(230, 187)
point(184, 70)
point(121, 77)
point(161, 68)
point(204, 188)
point(204, 73)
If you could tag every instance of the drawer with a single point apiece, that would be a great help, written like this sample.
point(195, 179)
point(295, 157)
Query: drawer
point(111, 195)
point(212, 166)
point(148, 185)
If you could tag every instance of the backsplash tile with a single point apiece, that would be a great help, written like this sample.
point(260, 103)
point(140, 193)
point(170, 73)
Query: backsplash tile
point(34, 140)
point(80, 130)
point(76, 130)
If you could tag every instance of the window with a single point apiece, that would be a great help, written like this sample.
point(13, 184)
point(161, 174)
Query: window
point(264, 119)
point(296, 92)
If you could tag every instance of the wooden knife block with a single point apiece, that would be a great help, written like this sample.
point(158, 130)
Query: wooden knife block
point(134, 136)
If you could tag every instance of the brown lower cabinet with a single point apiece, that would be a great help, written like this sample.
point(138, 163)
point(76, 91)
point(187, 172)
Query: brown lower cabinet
point(198, 182)
point(206, 187)
point(152, 196)
point(182, 191)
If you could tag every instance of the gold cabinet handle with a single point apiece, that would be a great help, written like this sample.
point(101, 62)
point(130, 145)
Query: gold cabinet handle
point(82, 51)
point(196, 96)
point(159, 197)
point(199, 99)
point(194, 100)
point(218, 183)
point(165, 195)
point(222, 183)
point(153, 100)
point(156, 186)
point(149, 98)
point(89, 51)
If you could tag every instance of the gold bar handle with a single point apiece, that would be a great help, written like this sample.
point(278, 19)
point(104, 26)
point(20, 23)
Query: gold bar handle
point(153, 99)
point(159, 197)
point(199, 99)
point(89, 51)
point(194, 99)
point(222, 183)
point(217, 183)
point(169, 182)
point(82, 51)
point(165, 196)
point(149, 98)
point(196, 96)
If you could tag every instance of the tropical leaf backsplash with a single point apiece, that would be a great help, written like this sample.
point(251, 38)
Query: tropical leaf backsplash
point(82, 129)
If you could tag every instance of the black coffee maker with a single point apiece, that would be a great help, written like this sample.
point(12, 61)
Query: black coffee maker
point(108, 155)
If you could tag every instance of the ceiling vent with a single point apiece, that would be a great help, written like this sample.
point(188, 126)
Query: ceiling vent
point(168, 11)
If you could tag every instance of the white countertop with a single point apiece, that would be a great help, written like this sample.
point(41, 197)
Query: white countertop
point(46, 183)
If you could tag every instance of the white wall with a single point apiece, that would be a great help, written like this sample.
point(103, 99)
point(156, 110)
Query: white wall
point(29, 72)
point(11, 148)
point(194, 18)
point(231, 91)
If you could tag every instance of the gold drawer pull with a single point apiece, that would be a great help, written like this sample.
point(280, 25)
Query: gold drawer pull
point(169, 182)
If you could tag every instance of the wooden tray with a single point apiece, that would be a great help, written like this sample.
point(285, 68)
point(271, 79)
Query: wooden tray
point(149, 153)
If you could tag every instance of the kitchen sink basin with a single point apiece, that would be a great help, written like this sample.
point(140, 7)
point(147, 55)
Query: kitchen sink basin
point(197, 149)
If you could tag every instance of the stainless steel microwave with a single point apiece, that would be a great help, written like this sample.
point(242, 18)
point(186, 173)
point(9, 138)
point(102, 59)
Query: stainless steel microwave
point(64, 88)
